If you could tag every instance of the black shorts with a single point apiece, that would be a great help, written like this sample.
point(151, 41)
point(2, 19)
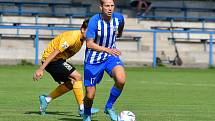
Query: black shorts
point(60, 70)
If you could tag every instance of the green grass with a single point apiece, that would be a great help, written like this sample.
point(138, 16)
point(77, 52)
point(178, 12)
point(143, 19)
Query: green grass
point(152, 94)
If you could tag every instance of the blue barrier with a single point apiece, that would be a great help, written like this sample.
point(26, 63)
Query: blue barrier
point(211, 50)
point(181, 28)
point(154, 49)
point(176, 18)
point(154, 64)
point(37, 47)
point(183, 9)
point(53, 5)
point(168, 8)
point(36, 13)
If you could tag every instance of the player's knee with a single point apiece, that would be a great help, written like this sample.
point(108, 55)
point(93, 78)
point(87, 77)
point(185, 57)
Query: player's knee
point(120, 79)
point(78, 77)
point(120, 83)
point(90, 92)
point(90, 96)
point(69, 85)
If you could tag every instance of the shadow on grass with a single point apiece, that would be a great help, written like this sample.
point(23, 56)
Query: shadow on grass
point(53, 113)
point(60, 113)
point(72, 119)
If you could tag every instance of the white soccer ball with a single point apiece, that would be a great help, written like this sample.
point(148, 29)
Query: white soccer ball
point(126, 116)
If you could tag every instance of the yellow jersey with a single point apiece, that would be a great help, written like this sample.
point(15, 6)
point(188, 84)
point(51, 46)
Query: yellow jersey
point(69, 43)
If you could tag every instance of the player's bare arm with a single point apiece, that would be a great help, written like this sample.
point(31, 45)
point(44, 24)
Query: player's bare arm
point(120, 30)
point(39, 72)
point(92, 45)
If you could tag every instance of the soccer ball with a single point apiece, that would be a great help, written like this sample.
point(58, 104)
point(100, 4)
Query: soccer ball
point(126, 116)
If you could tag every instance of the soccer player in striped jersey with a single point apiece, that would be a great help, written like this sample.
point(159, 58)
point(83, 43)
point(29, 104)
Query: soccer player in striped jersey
point(101, 55)
point(54, 61)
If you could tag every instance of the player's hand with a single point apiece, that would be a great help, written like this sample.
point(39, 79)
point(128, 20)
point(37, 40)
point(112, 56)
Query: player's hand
point(37, 75)
point(114, 52)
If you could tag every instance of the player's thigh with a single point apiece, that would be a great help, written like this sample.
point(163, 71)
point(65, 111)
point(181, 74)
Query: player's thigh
point(93, 74)
point(112, 63)
point(76, 75)
point(118, 74)
point(115, 68)
point(60, 70)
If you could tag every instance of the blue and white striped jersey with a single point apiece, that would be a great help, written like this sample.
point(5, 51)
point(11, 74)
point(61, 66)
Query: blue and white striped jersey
point(104, 34)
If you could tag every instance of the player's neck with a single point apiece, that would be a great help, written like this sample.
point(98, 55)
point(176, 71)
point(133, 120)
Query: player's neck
point(106, 18)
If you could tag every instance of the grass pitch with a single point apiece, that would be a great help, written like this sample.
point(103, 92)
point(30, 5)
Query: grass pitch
point(152, 94)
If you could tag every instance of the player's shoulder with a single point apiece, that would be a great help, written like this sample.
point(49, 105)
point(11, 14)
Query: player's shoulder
point(96, 17)
point(71, 32)
point(117, 14)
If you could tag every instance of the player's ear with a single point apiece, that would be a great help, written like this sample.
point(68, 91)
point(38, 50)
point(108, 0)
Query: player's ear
point(100, 7)
point(82, 30)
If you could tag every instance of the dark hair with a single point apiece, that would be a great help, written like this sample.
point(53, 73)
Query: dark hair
point(85, 23)
point(101, 1)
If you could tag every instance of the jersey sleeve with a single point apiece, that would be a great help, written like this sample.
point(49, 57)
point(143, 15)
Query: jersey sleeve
point(121, 19)
point(67, 41)
point(92, 28)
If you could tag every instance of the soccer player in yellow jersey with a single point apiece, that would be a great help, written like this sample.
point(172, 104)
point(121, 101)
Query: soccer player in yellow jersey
point(53, 60)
